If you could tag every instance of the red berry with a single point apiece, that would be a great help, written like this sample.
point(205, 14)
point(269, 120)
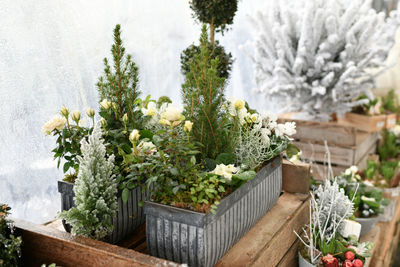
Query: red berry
point(347, 263)
point(358, 263)
point(349, 255)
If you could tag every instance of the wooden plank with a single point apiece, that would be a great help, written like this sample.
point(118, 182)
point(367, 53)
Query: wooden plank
point(365, 123)
point(317, 132)
point(269, 240)
point(295, 177)
point(344, 156)
point(291, 257)
point(43, 244)
point(371, 236)
point(320, 170)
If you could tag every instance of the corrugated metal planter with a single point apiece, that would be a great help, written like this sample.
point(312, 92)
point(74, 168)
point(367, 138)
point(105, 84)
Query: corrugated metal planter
point(129, 216)
point(200, 239)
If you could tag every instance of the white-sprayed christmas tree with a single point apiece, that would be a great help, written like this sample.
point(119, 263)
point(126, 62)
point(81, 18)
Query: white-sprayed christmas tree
point(95, 190)
point(316, 56)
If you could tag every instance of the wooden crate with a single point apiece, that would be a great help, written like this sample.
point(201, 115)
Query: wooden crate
point(391, 120)
point(347, 145)
point(367, 123)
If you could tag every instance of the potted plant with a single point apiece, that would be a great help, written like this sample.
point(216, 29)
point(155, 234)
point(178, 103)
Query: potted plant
point(305, 54)
point(331, 238)
point(368, 199)
point(10, 244)
point(215, 174)
point(120, 111)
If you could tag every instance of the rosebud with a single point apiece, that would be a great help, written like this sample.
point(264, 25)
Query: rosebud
point(349, 255)
point(105, 104)
point(76, 115)
point(358, 263)
point(103, 122)
point(134, 136)
point(114, 105)
point(165, 122)
point(330, 261)
point(188, 126)
point(125, 118)
point(64, 111)
point(90, 112)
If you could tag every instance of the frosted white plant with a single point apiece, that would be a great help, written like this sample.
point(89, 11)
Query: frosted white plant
point(260, 138)
point(95, 190)
point(316, 56)
point(329, 208)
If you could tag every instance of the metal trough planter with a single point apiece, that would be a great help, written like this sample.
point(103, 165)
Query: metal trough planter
point(129, 216)
point(200, 239)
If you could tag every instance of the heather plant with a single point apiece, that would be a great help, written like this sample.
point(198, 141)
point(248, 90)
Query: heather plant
point(10, 244)
point(95, 190)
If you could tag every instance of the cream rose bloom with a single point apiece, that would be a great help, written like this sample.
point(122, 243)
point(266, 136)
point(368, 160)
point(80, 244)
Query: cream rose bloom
point(151, 109)
point(172, 113)
point(57, 122)
point(147, 148)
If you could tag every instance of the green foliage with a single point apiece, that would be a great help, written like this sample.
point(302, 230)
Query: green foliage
point(367, 107)
point(95, 191)
point(203, 97)
point(381, 173)
point(120, 85)
point(225, 60)
point(10, 245)
point(389, 148)
point(218, 13)
point(388, 169)
point(390, 103)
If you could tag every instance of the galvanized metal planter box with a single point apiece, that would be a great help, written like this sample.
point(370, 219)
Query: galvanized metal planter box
point(200, 239)
point(129, 216)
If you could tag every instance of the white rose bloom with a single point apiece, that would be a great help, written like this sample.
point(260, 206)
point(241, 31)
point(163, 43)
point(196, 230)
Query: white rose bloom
point(151, 109)
point(147, 148)
point(290, 128)
point(57, 122)
point(172, 113)
point(134, 136)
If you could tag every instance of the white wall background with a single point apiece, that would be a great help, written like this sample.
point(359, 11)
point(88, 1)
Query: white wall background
point(51, 54)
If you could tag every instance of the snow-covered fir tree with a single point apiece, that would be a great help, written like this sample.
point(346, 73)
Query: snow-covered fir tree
point(95, 190)
point(316, 56)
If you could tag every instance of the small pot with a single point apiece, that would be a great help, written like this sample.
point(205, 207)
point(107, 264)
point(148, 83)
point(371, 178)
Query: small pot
point(367, 224)
point(304, 263)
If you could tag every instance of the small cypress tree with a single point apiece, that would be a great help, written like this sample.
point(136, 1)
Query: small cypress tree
point(203, 97)
point(120, 85)
point(95, 190)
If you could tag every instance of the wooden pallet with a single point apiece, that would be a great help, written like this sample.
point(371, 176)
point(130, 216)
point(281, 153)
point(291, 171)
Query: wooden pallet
point(367, 123)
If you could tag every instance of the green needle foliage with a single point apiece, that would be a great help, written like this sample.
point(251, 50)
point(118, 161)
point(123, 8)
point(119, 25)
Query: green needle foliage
point(120, 85)
point(203, 97)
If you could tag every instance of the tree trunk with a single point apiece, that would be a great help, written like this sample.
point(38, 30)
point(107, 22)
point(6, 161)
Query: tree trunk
point(212, 32)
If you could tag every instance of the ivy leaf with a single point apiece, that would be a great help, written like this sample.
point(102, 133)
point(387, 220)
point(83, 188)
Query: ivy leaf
point(292, 150)
point(125, 195)
point(245, 176)
point(225, 158)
